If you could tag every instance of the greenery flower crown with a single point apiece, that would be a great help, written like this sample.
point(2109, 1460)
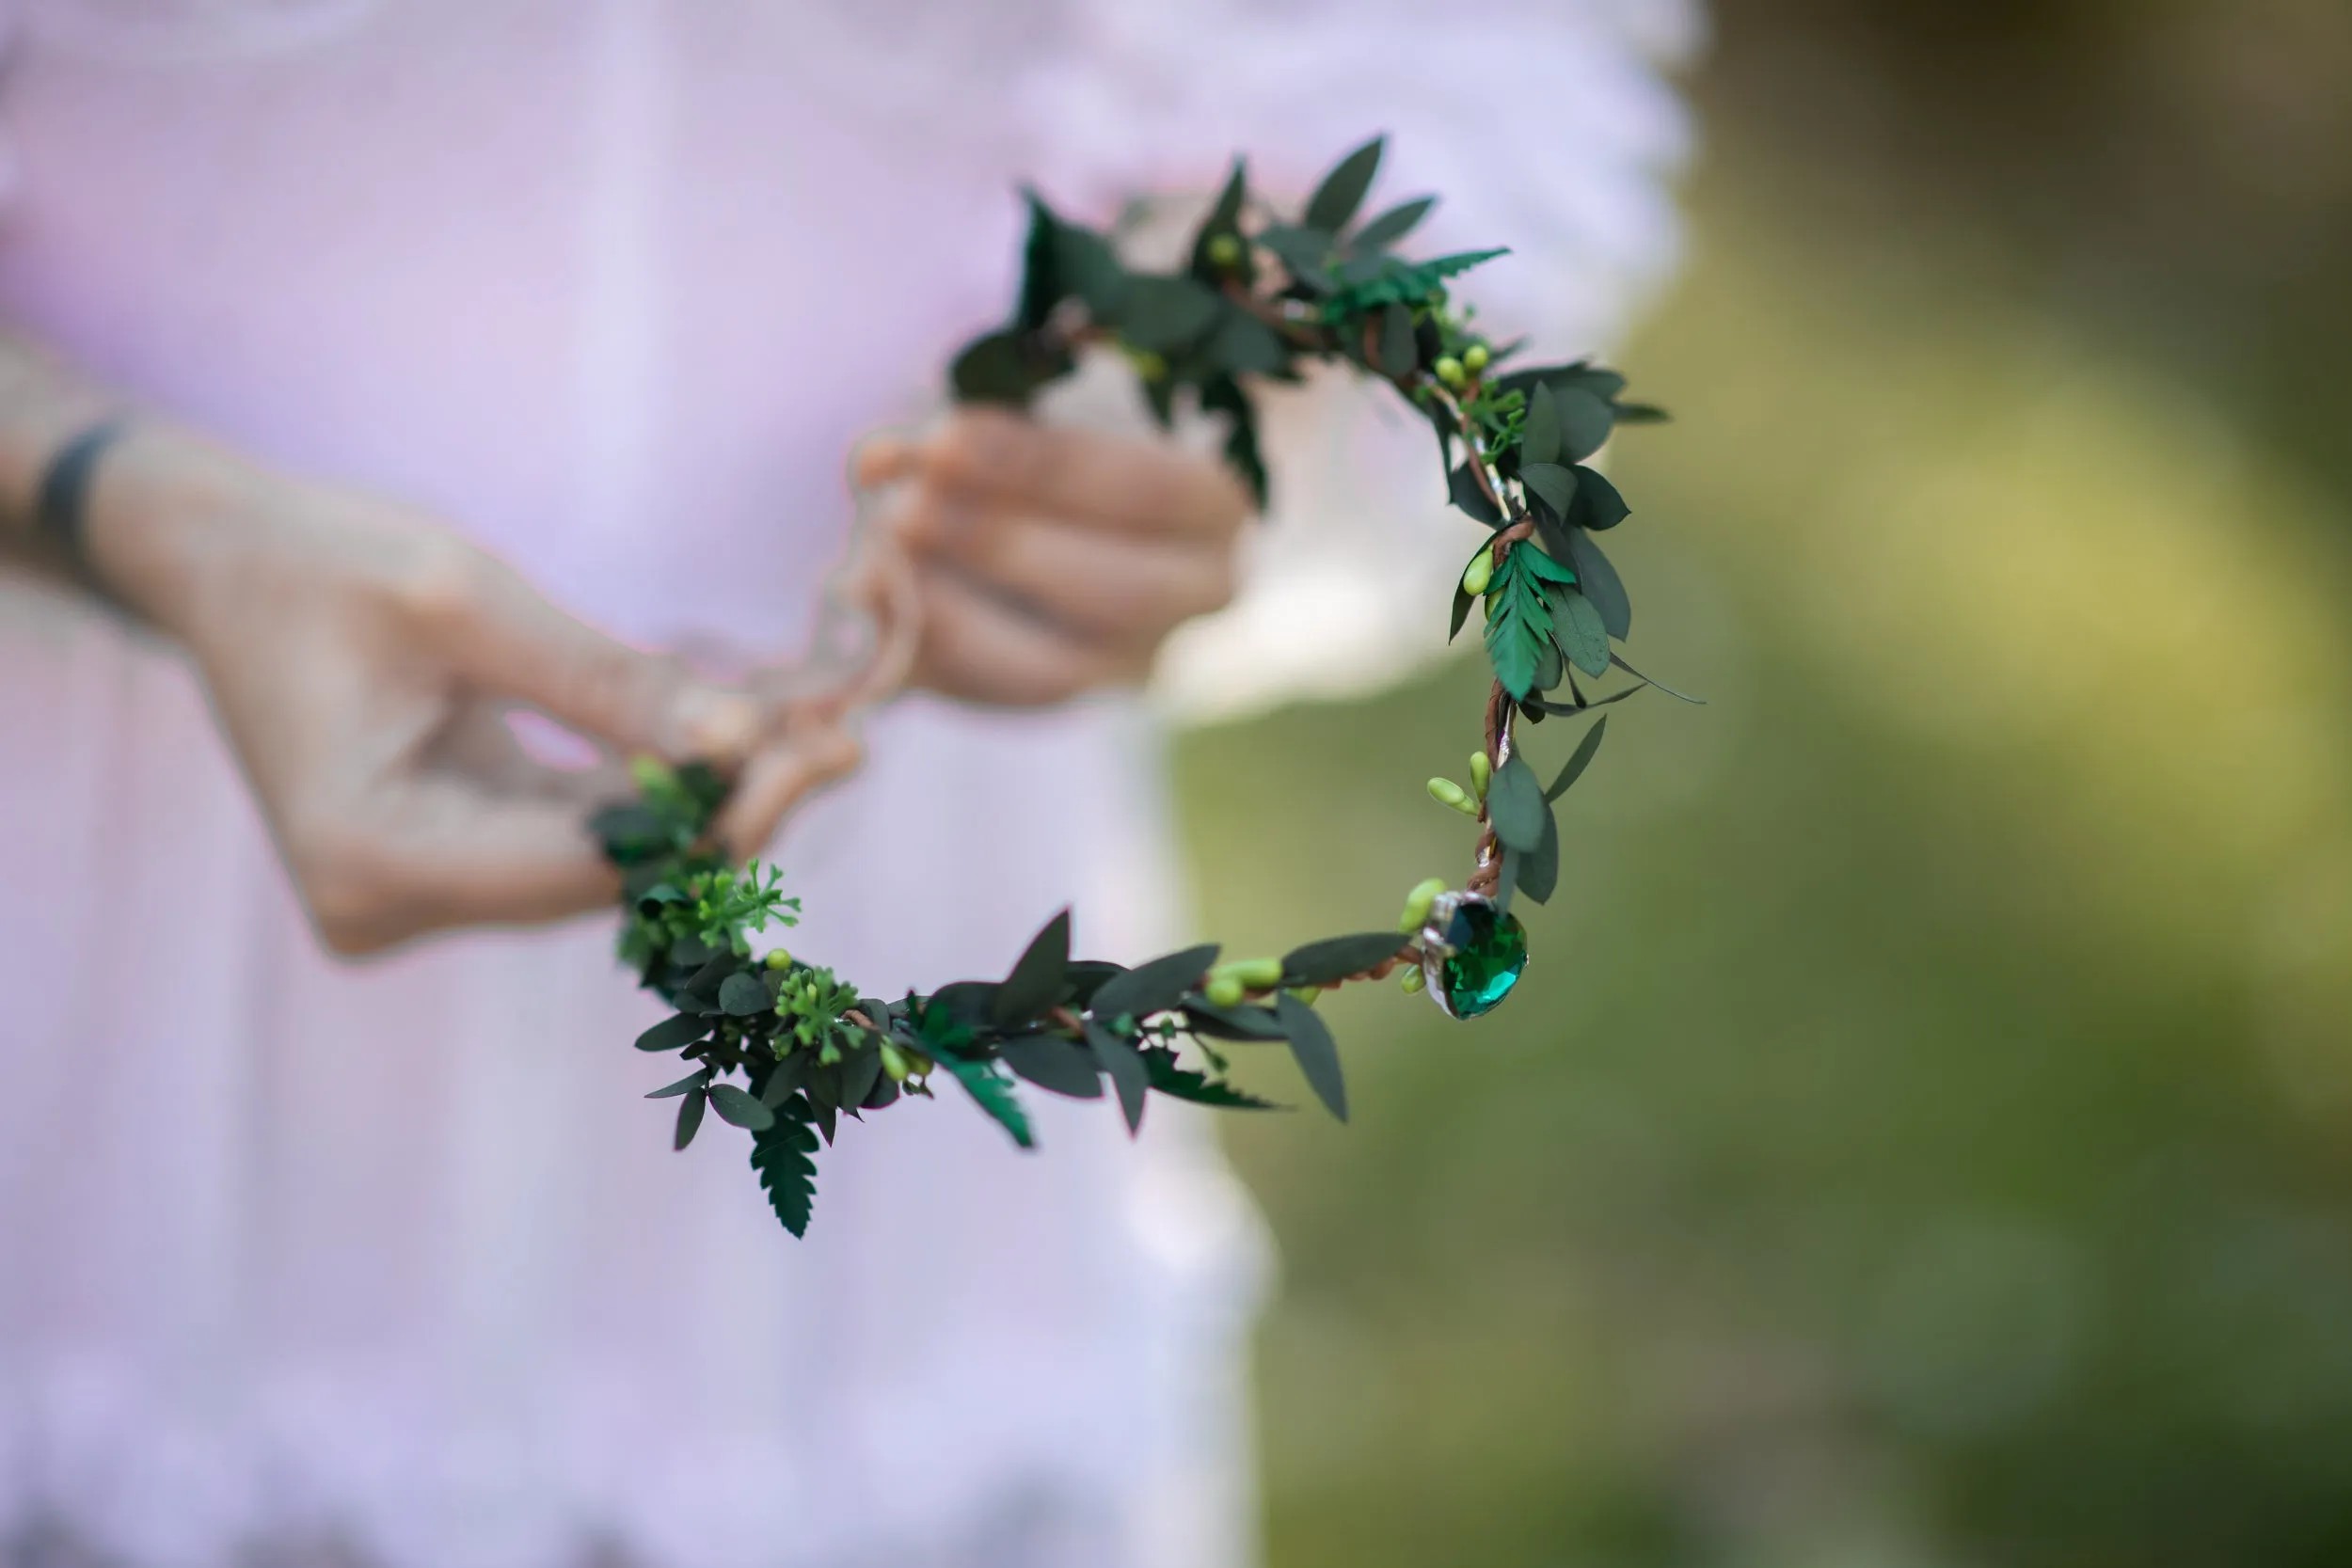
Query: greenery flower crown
point(1255, 297)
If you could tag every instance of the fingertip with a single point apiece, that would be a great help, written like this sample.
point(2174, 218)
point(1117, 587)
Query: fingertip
point(713, 726)
point(881, 459)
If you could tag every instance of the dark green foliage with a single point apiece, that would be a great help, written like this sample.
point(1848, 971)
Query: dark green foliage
point(1577, 761)
point(1317, 1055)
point(1337, 958)
point(1342, 190)
point(1051, 1062)
point(785, 1157)
point(1154, 987)
point(1036, 981)
point(783, 1048)
point(1516, 805)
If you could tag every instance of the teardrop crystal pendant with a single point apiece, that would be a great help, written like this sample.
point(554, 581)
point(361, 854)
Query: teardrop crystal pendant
point(1472, 954)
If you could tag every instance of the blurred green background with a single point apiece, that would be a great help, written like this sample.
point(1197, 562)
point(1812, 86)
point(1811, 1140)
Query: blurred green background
point(1924, 1139)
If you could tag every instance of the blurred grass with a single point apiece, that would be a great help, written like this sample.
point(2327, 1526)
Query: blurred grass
point(1921, 1138)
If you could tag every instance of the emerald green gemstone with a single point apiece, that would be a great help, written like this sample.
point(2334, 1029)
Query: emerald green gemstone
point(1489, 953)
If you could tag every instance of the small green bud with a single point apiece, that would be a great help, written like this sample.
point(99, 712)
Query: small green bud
point(1409, 977)
point(1223, 990)
point(893, 1064)
point(1309, 994)
point(1447, 793)
point(1254, 973)
point(1449, 371)
point(1479, 573)
point(779, 959)
point(1147, 365)
point(1475, 357)
point(1224, 249)
point(1482, 773)
point(1417, 904)
point(650, 773)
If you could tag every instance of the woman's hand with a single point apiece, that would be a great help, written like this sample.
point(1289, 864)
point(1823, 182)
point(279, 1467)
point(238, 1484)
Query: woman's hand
point(1052, 561)
point(362, 660)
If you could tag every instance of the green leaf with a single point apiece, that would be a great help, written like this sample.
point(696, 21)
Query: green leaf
point(1578, 626)
point(1393, 225)
point(996, 369)
point(1318, 1056)
point(861, 1069)
point(1224, 395)
point(1638, 413)
point(1053, 1063)
point(1506, 881)
point(991, 1091)
point(1599, 582)
point(1597, 504)
point(785, 1158)
point(1398, 351)
point(1178, 1082)
point(1036, 983)
point(633, 832)
point(1342, 190)
point(1646, 680)
point(1244, 345)
point(1584, 422)
point(1539, 438)
point(742, 995)
point(1120, 1060)
point(1305, 253)
point(1165, 315)
point(691, 1080)
point(1224, 218)
point(1243, 1022)
point(1463, 599)
point(1518, 625)
point(1040, 284)
point(1154, 987)
point(1577, 761)
point(674, 1034)
point(1539, 869)
point(1555, 485)
point(786, 1078)
point(1514, 804)
point(1335, 958)
point(735, 1105)
point(689, 1117)
point(1467, 494)
point(1089, 268)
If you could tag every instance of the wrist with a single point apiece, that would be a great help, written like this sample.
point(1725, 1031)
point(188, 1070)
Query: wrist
point(167, 518)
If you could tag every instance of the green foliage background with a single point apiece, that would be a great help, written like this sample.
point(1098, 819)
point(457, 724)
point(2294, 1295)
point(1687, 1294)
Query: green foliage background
point(1925, 1135)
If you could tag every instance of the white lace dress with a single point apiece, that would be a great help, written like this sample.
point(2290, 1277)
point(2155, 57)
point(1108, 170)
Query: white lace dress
point(388, 1264)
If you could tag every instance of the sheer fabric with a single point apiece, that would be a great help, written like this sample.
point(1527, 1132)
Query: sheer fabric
point(309, 1263)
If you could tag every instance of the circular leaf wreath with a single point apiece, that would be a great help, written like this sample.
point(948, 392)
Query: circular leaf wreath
point(1255, 297)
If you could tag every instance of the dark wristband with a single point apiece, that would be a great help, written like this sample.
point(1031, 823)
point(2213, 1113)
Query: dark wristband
point(61, 505)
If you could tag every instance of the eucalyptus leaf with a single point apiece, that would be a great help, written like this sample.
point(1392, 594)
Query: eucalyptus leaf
point(1166, 314)
point(1342, 190)
point(1540, 868)
point(674, 1032)
point(1539, 438)
point(1125, 1065)
point(1245, 1021)
point(1578, 626)
point(1470, 495)
point(1305, 254)
point(1398, 350)
point(1598, 506)
point(1585, 421)
point(1244, 345)
point(861, 1068)
point(1054, 1063)
point(1393, 225)
point(1336, 959)
point(1506, 881)
point(1154, 986)
point(993, 369)
point(787, 1077)
point(689, 1117)
point(1577, 761)
point(1036, 982)
point(691, 1080)
point(1600, 581)
point(1514, 804)
point(1555, 485)
point(1317, 1055)
point(1040, 282)
point(742, 996)
point(1646, 680)
point(1089, 268)
point(733, 1105)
